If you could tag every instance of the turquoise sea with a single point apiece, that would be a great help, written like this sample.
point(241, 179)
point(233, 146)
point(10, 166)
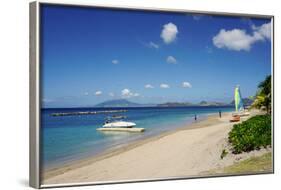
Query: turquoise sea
point(68, 138)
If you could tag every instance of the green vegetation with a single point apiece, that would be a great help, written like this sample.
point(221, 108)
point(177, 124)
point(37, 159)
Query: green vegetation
point(254, 164)
point(251, 134)
point(263, 96)
point(223, 153)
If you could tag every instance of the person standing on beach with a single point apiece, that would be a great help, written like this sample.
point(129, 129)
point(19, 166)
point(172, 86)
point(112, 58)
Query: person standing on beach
point(195, 117)
point(220, 113)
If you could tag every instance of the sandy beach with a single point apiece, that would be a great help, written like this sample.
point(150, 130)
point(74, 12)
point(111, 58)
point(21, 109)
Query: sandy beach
point(187, 152)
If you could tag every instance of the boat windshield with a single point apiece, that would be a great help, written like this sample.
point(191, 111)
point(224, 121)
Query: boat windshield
point(113, 118)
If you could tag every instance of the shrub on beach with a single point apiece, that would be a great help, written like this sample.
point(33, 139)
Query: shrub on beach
point(251, 134)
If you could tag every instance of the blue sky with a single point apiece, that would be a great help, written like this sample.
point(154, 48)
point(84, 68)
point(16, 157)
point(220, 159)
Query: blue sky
point(91, 55)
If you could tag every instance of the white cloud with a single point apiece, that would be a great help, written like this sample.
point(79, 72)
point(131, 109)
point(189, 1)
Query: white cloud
point(164, 86)
point(169, 33)
point(186, 85)
point(98, 93)
point(148, 86)
point(264, 30)
point(115, 61)
point(111, 94)
point(238, 39)
point(153, 45)
point(126, 93)
point(171, 60)
point(235, 39)
point(136, 94)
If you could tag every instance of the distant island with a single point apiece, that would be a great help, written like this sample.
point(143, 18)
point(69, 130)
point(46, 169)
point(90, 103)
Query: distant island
point(175, 104)
point(118, 103)
point(246, 101)
point(121, 103)
point(186, 104)
point(127, 103)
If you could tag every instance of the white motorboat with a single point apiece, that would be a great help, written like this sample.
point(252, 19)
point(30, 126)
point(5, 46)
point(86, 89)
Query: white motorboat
point(109, 123)
point(119, 124)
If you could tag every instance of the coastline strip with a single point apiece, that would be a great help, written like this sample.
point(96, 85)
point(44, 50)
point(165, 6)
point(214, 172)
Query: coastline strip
point(87, 112)
point(50, 173)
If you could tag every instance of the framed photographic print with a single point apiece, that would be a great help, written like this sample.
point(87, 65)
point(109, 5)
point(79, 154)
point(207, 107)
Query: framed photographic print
point(127, 94)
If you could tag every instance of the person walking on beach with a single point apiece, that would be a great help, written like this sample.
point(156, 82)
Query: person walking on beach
point(195, 117)
point(220, 113)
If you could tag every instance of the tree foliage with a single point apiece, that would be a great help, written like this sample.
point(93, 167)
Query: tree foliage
point(251, 134)
point(263, 96)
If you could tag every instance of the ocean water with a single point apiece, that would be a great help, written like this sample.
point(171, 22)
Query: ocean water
point(68, 138)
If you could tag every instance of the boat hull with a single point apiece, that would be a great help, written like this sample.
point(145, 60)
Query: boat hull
point(115, 129)
point(119, 124)
point(241, 114)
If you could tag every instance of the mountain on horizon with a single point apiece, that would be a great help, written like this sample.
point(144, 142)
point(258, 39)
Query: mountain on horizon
point(246, 101)
point(186, 104)
point(205, 103)
point(127, 103)
point(118, 103)
point(175, 104)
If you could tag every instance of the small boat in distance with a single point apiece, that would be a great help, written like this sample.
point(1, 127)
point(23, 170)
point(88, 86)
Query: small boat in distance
point(235, 118)
point(111, 122)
